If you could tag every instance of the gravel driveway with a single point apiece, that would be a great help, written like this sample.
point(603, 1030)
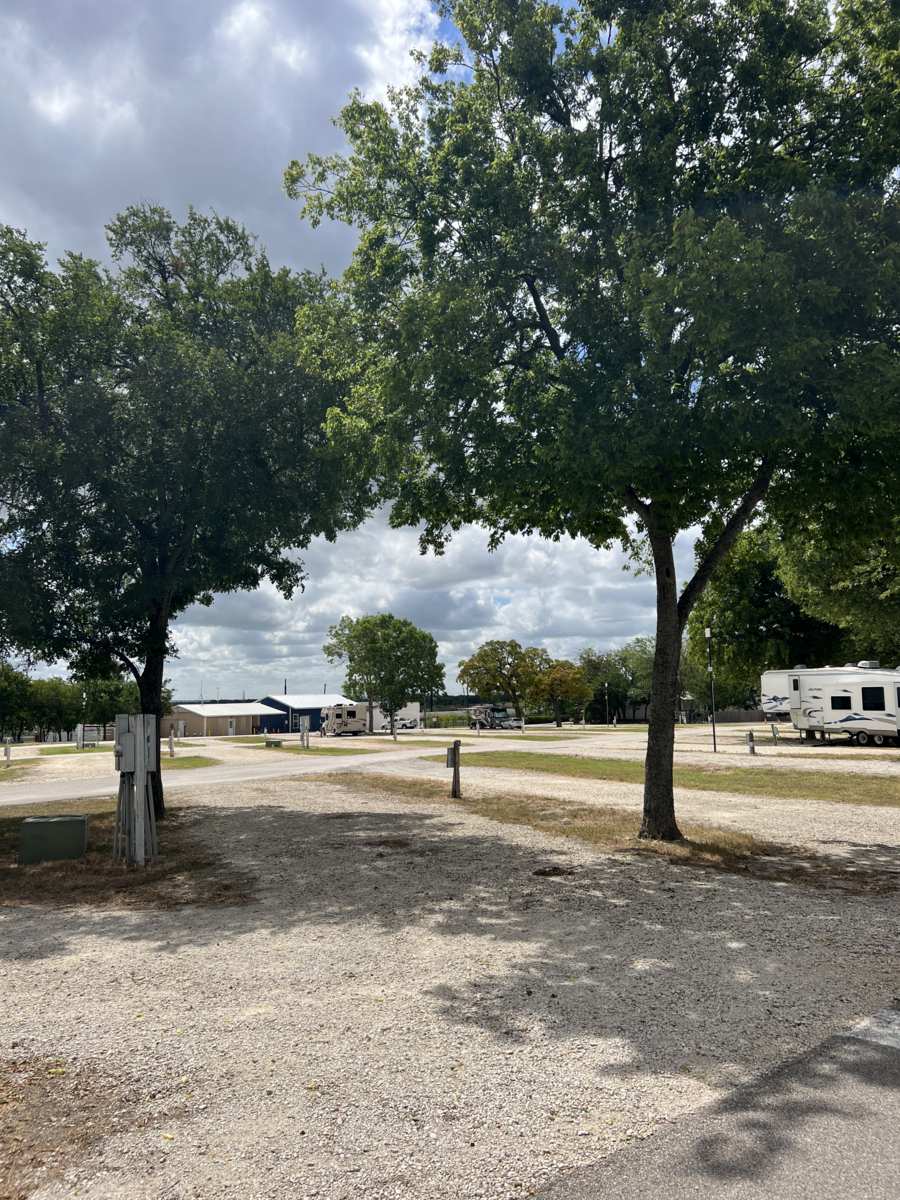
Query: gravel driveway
point(408, 1010)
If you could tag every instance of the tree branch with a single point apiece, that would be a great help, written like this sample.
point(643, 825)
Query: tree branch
point(724, 543)
point(546, 324)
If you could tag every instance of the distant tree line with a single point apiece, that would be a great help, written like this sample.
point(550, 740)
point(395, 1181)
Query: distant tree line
point(57, 705)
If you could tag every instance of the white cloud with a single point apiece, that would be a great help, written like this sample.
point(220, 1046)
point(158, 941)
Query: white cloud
point(560, 595)
point(398, 26)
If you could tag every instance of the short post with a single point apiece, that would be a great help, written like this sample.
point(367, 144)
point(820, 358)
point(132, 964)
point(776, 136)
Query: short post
point(751, 745)
point(79, 737)
point(171, 743)
point(453, 761)
point(774, 733)
point(304, 733)
point(7, 750)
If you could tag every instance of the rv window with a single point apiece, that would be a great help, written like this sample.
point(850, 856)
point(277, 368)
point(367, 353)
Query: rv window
point(840, 702)
point(795, 684)
point(873, 699)
point(351, 714)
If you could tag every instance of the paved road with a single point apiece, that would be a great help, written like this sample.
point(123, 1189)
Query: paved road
point(825, 1126)
point(82, 789)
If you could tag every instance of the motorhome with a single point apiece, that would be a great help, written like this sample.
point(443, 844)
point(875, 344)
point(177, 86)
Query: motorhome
point(861, 700)
point(492, 716)
point(339, 719)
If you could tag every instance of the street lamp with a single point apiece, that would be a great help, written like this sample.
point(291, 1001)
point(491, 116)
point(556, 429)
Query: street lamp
point(712, 684)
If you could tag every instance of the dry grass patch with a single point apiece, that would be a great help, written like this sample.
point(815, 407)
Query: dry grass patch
point(187, 873)
point(834, 786)
point(614, 830)
point(54, 1113)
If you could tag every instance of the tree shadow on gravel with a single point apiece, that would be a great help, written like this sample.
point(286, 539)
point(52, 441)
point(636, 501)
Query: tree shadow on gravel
point(680, 970)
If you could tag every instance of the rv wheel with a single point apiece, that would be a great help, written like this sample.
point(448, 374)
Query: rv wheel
point(862, 738)
point(878, 739)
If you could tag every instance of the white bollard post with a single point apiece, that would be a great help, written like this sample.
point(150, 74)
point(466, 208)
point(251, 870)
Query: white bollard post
point(7, 750)
point(171, 743)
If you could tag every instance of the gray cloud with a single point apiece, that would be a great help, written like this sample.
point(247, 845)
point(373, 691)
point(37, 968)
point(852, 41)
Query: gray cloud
point(104, 104)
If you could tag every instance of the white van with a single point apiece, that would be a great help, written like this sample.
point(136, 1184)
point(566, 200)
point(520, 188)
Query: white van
point(861, 700)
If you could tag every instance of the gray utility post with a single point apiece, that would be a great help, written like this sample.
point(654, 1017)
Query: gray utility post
point(136, 753)
point(712, 685)
point(606, 689)
point(171, 743)
point(453, 761)
point(751, 744)
point(7, 750)
point(304, 733)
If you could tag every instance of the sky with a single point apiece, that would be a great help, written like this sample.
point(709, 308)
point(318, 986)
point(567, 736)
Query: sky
point(204, 102)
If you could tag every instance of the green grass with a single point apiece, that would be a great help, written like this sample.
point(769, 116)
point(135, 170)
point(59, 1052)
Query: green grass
point(47, 750)
point(187, 763)
point(754, 781)
point(11, 775)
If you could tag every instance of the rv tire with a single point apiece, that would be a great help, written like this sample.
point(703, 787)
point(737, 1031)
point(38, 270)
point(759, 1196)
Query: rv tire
point(878, 739)
point(862, 738)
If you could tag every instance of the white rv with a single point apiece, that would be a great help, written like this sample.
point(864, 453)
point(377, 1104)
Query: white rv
point(339, 719)
point(861, 700)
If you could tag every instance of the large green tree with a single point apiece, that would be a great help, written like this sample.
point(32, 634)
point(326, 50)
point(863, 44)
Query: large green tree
point(624, 269)
point(161, 440)
point(559, 682)
point(503, 667)
point(756, 625)
point(389, 660)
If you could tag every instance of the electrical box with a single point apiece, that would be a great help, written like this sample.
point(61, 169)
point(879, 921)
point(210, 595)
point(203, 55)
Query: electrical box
point(451, 757)
point(124, 752)
point(49, 839)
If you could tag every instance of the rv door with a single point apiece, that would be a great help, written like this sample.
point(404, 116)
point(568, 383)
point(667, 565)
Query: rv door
point(794, 700)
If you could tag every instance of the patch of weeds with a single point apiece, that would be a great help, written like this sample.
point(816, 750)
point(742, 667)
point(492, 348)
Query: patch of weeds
point(187, 873)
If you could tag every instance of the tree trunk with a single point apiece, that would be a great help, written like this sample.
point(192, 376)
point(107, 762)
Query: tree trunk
point(659, 797)
point(150, 683)
point(555, 700)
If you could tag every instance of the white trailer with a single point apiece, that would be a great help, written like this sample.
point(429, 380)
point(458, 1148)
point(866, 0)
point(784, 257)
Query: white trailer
point(861, 700)
point(339, 719)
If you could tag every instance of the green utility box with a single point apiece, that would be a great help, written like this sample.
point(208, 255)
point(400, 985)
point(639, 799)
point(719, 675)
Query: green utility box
point(48, 839)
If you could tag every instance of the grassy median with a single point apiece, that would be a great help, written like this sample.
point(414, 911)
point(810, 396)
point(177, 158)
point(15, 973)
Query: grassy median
point(834, 786)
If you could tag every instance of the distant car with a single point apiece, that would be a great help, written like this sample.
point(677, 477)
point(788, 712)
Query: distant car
point(400, 723)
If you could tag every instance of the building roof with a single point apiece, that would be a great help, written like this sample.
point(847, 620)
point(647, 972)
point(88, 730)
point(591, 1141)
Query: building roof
point(250, 709)
point(311, 700)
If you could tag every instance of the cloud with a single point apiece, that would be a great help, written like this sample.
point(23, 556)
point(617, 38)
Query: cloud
point(560, 595)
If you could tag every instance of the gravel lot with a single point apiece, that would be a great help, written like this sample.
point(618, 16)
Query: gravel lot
point(407, 1010)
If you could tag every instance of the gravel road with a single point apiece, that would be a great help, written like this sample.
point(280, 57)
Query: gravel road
point(408, 1010)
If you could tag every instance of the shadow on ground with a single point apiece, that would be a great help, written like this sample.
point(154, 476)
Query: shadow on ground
point(525, 937)
point(824, 1125)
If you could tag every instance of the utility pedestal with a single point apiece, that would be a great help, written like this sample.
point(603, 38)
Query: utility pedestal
point(136, 754)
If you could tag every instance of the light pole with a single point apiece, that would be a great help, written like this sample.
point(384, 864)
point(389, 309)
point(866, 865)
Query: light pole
point(606, 689)
point(712, 685)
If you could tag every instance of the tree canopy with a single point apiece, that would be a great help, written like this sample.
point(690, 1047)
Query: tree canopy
point(505, 668)
point(162, 440)
point(559, 680)
point(389, 660)
point(623, 270)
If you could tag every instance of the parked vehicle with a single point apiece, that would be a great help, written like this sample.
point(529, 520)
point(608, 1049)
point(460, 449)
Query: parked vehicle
point(339, 719)
point(491, 716)
point(400, 723)
point(860, 700)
